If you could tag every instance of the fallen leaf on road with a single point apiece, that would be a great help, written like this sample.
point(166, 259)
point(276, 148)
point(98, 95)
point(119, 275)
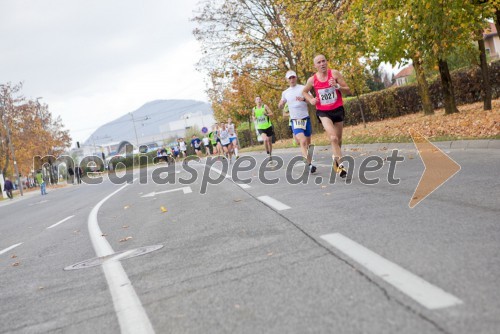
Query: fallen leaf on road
point(236, 306)
point(104, 235)
point(327, 194)
point(323, 186)
point(15, 264)
point(125, 226)
point(76, 231)
point(126, 207)
point(237, 200)
point(40, 288)
point(125, 239)
point(13, 256)
point(163, 209)
point(270, 254)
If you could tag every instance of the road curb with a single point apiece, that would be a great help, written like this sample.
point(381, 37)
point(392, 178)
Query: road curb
point(481, 144)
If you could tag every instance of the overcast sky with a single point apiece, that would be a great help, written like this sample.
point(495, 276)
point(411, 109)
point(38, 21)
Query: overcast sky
point(93, 60)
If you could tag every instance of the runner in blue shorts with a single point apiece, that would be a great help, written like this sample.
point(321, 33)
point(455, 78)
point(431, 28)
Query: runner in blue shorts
point(299, 115)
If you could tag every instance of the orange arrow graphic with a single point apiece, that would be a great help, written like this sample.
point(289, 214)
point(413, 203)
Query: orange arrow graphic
point(439, 168)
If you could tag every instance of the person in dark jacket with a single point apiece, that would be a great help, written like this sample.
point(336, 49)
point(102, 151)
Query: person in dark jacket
point(8, 187)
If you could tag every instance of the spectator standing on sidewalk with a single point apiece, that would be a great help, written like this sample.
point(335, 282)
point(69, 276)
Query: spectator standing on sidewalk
point(41, 182)
point(8, 187)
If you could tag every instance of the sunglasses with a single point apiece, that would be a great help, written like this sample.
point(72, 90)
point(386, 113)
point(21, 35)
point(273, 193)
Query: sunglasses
point(292, 77)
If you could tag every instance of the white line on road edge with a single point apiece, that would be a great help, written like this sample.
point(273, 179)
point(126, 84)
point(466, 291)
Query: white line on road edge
point(273, 203)
point(415, 287)
point(131, 315)
point(9, 248)
point(185, 190)
point(62, 221)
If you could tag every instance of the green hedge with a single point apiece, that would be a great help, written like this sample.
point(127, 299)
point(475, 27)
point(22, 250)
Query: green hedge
point(398, 101)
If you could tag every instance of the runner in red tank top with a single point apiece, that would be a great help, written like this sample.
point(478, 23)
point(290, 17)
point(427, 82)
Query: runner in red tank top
point(329, 85)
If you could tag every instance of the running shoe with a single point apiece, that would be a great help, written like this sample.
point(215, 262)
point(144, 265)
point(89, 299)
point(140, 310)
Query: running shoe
point(340, 169)
point(312, 168)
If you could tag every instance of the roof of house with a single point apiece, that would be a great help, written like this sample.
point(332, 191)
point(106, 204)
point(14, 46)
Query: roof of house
point(490, 31)
point(407, 71)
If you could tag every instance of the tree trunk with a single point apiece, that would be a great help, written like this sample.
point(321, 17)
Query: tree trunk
point(250, 128)
point(485, 75)
point(450, 106)
point(497, 21)
point(361, 110)
point(423, 87)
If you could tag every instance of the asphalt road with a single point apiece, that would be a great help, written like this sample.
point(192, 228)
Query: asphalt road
point(305, 258)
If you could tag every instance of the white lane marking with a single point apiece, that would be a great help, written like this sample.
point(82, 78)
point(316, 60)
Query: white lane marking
point(131, 315)
point(273, 203)
point(185, 190)
point(60, 222)
point(9, 248)
point(423, 292)
point(242, 185)
point(218, 171)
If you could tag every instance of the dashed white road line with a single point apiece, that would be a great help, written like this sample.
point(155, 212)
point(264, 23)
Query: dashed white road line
point(273, 203)
point(9, 248)
point(60, 222)
point(131, 315)
point(428, 295)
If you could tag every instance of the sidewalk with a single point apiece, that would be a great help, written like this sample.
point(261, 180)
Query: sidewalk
point(29, 194)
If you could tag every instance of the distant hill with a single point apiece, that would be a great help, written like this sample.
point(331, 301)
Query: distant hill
point(149, 121)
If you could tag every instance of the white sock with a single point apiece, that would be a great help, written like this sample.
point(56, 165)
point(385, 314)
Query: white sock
point(236, 151)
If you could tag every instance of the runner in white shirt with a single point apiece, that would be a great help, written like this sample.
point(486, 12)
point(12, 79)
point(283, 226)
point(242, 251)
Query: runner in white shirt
point(233, 136)
point(299, 114)
point(206, 144)
point(225, 142)
point(182, 146)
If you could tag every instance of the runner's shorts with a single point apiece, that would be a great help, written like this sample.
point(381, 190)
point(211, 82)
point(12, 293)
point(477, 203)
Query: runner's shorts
point(269, 131)
point(336, 115)
point(302, 126)
point(231, 139)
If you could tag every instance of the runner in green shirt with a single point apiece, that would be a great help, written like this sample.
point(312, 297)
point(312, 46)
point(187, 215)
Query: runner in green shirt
point(260, 115)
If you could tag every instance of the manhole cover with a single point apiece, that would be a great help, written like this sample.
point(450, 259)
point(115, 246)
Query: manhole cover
point(97, 261)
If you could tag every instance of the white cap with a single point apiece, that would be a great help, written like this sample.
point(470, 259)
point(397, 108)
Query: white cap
point(290, 74)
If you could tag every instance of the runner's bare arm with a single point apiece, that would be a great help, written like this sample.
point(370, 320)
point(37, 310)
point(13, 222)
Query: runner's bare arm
point(281, 104)
point(344, 88)
point(307, 88)
point(268, 111)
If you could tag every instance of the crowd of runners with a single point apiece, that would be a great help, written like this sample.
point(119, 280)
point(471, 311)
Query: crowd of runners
point(328, 85)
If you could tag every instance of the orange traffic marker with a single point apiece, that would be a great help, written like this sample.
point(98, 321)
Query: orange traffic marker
point(439, 168)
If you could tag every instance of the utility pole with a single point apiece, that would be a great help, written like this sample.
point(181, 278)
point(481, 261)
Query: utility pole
point(135, 130)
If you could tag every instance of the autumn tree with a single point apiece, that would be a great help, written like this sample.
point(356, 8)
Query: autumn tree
point(31, 129)
point(244, 36)
point(247, 49)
